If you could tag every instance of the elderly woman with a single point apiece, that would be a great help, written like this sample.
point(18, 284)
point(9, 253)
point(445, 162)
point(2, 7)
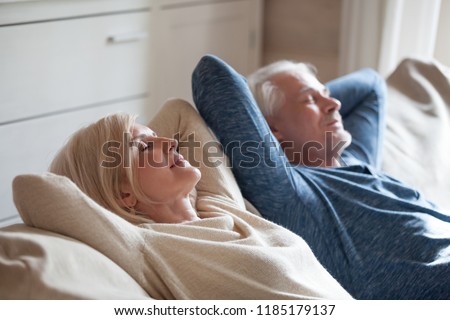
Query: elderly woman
point(185, 232)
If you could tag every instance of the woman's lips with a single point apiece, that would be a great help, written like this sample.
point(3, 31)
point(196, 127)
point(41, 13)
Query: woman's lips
point(178, 161)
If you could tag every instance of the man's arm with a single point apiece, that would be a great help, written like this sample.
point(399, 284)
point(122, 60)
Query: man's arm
point(362, 94)
point(225, 102)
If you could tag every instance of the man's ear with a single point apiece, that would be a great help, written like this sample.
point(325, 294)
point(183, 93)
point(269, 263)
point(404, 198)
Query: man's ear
point(275, 131)
point(277, 134)
point(127, 196)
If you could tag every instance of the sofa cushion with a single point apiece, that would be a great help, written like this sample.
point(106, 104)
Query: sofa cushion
point(38, 264)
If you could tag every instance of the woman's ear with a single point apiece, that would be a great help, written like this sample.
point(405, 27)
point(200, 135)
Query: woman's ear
point(127, 196)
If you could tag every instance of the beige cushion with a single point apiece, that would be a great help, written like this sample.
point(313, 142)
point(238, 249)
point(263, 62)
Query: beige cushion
point(418, 128)
point(37, 264)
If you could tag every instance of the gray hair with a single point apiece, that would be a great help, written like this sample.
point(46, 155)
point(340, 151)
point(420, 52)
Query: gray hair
point(267, 95)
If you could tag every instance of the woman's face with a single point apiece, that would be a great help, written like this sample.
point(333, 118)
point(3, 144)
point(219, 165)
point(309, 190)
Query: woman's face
point(163, 174)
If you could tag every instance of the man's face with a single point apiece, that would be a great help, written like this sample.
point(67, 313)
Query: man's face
point(308, 124)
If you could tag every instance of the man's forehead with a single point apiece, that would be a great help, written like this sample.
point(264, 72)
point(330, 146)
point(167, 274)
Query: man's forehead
point(303, 81)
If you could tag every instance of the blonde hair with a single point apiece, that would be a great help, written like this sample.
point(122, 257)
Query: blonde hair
point(98, 159)
point(267, 95)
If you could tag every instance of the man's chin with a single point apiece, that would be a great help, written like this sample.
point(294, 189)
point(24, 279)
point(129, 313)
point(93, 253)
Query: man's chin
point(341, 140)
point(347, 138)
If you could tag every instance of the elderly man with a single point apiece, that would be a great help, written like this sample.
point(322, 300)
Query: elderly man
point(379, 238)
point(306, 116)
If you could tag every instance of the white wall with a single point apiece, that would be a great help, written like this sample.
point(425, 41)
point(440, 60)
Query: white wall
point(442, 50)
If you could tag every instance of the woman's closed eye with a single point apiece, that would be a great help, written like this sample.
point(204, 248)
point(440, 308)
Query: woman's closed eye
point(145, 145)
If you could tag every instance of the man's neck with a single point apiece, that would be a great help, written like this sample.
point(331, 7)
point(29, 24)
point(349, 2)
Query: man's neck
point(318, 160)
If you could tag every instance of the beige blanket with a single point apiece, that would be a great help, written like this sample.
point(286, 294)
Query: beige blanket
point(417, 139)
point(228, 254)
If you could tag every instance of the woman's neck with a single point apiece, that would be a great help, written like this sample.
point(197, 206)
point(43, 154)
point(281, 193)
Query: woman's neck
point(178, 211)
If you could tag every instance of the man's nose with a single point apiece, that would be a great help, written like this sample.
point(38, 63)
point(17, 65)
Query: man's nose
point(331, 104)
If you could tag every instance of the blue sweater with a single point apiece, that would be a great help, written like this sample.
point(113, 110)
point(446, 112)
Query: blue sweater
point(378, 237)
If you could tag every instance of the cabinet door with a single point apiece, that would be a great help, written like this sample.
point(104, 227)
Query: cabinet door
point(187, 30)
point(59, 65)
